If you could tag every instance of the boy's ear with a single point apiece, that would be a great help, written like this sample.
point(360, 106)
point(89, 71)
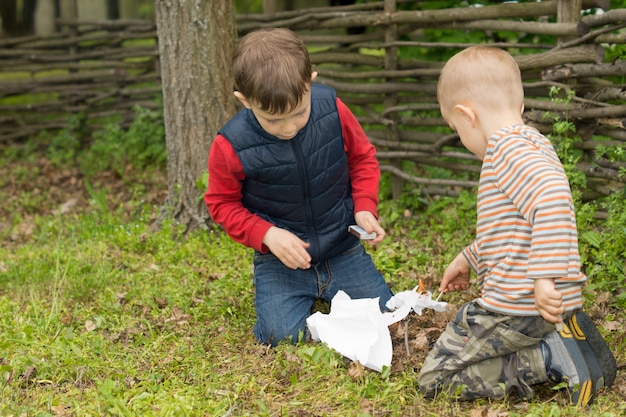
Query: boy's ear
point(313, 75)
point(242, 99)
point(467, 112)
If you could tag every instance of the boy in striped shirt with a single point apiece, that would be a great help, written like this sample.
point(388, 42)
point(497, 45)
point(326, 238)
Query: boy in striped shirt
point(525, 254)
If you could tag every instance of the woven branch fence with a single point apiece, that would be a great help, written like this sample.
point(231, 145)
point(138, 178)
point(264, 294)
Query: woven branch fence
point(379, 57)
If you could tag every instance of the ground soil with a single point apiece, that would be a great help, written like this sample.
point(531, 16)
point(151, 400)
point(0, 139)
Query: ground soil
point(36, 187)
point(413, 337)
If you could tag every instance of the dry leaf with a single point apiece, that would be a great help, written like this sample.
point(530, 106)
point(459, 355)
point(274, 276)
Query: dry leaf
point(366, 406)
point(90, 326)
point(478, 412)
point(67, 206)
point(420, 342)
point(291, 357)
point(397, 329)
point(603, 298)
point(131, 381)
point(487, 411)
point(196, 301)
point(67, 319)
point(160, 302)
point(29, 375)
point(23, 231)
point(612, 325)
point(619, 386)
point(178, 317)
point(59, 410)
point(356, 370)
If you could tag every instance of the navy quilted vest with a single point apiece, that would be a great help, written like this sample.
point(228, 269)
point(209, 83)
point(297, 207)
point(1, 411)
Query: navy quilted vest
point(302, 184)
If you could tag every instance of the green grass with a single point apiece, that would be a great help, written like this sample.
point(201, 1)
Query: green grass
point(100, 316)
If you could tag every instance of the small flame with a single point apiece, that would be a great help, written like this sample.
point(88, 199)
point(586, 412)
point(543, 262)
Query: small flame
point(421, 287)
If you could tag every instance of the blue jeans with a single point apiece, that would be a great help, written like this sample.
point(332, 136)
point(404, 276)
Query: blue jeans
point(284, 297)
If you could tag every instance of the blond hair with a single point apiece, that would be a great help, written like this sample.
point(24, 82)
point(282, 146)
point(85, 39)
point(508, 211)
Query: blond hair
point(482, 75)
point(272, 69)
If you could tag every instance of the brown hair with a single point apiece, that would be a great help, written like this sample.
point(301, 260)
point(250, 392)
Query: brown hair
point(272, 69)
point(481, 74)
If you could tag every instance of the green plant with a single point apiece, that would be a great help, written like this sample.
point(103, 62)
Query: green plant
point(66, 144)
point(98, 198)
point(564, 138)
point(602, 244)
point(141, 145)
point(603, 250)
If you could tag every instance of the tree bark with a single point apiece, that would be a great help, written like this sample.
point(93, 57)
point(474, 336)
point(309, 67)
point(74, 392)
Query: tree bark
point(8, 11)
point(196, 42)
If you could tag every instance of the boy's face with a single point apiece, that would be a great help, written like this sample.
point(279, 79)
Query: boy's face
point(284, 126)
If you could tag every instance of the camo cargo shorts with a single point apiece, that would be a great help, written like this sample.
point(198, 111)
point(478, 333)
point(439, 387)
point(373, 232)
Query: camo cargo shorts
point(483, 354)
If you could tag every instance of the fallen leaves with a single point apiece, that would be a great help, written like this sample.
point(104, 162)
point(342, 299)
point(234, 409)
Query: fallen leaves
point(61, 410)
point(178, 317)
point(67, 206)
point(29, 376)
point(487, 411)
point(619, 386)
point(613, 325)
point(90, 326)
point(356, 371)
point(23, 231)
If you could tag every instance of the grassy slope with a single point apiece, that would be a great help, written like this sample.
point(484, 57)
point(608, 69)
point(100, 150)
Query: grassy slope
point(99, 316)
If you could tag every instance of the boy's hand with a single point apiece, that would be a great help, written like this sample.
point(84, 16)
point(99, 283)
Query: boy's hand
point(548, 300)
point(289, 248)
point(457, 275)
point(369, 222)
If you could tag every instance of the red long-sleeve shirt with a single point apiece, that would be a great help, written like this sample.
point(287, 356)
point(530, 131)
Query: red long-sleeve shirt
point(224, 195)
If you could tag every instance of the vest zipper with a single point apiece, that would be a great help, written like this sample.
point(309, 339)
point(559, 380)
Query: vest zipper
point(304, 178)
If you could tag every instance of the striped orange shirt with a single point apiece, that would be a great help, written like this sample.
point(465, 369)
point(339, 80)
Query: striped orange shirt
point(526, 225)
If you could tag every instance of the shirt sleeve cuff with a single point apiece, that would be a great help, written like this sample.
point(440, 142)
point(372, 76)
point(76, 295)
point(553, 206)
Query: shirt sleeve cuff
point(259, 229)
point(470, 255)
point(365, 204)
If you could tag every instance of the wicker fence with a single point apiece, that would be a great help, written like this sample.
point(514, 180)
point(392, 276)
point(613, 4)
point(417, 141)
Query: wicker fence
point(90, 69)
point(379, 57)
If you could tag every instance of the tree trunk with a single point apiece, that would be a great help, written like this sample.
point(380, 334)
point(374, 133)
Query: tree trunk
point(44, 18)
point(269, 6)
point(11, 25)
point(196, 42)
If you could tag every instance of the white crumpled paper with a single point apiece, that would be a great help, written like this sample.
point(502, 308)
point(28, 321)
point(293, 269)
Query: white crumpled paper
point(416, 301)
point(360, 331)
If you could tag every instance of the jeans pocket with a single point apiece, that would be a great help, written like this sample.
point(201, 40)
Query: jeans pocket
point(354, 250)
point(264, 257)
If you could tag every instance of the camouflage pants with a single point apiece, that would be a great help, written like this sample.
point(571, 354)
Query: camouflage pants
point(483, 354)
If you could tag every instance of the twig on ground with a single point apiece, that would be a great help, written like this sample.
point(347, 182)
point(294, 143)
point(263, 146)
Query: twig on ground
point(406, 336)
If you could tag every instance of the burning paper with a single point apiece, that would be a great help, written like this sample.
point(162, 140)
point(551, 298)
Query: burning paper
point(360, 331)
point(416, 301)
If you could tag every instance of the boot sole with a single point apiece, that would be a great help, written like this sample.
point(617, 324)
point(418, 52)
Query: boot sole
point(593, 347)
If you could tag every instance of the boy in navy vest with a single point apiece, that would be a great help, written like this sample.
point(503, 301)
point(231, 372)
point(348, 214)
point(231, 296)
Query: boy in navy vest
point(287, 175)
